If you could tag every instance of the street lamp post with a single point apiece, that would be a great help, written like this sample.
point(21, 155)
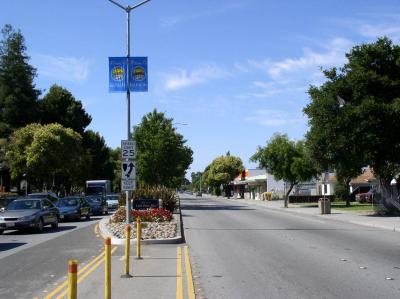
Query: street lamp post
point(128, 10)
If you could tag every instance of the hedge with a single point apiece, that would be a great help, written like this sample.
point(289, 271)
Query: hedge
point(308, 198)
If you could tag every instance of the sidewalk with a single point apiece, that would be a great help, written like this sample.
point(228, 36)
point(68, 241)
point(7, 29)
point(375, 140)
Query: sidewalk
point(365, 219)
point(161, 273)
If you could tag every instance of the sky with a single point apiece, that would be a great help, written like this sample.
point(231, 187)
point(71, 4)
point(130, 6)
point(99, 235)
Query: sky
point(230, 73)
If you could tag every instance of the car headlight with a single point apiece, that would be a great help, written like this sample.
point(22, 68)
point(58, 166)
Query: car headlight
point(27, 218)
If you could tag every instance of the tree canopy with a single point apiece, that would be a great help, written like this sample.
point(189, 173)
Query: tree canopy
point(162, 157)
point(286, 160)
point(18, 96)
point(60, 106)
point(354, 115)
point(43, 152)
point(222, 171)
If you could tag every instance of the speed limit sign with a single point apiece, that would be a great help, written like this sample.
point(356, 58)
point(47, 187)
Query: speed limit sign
point(128, 149)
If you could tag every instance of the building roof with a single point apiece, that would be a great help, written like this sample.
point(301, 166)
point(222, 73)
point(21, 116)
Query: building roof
point(366, 177)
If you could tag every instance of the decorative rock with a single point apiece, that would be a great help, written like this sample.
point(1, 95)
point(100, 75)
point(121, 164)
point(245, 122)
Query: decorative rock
point(150, 230)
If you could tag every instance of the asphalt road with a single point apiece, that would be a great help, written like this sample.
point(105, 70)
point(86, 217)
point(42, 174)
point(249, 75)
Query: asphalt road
point(33, 264)
point(246, 251)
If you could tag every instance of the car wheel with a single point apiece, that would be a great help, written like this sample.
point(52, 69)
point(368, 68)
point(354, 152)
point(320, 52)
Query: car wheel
point(55, 224)
point(88, 216)
point(40, 225)
point(79, 216)
point(1, 231)
point(106, 212)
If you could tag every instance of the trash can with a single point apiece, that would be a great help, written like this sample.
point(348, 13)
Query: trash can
point(324, 205)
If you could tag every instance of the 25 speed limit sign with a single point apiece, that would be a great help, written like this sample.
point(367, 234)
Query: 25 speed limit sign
point(128, 149)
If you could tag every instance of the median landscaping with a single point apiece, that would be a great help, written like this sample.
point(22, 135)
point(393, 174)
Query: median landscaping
point(156, 224)
point(341, 205)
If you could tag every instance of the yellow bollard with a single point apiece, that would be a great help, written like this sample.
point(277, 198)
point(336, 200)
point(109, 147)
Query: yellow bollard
point(138, 237)
point(127, 250)
point(107, 268)
point(72, 279)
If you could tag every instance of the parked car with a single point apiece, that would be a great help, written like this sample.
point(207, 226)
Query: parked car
point(366, 196)
point(29, 213)
point(49, 195)
point(112, 201)
point(358, 190)
point(98, 204)
point(73, 207)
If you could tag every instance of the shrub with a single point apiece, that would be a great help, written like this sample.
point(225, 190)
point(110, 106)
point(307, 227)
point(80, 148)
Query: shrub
point(119, 215)
point(341, 192)
point(168, 196)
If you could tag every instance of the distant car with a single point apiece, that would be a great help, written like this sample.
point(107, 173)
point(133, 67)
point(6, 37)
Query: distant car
point(49, 195)
point(112, 201)
point(73, 207)
point(29, 213)
point(198, 194)
point(98, 204)
point(366, 197)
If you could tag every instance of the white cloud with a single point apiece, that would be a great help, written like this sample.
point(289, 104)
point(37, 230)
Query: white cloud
point(375, 31)
point(172, 21)
point(273, 118)
point(183, 78)
point(333, 54)
point(70, 69)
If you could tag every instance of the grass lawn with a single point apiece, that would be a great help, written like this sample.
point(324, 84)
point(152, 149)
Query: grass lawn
point(341, 205)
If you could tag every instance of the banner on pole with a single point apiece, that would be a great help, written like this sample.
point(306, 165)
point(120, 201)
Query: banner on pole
point(117, 74)
point(137, 74)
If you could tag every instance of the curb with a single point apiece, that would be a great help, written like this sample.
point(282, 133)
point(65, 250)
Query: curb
point(105, 232)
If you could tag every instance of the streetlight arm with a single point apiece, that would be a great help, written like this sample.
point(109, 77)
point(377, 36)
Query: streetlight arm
point(137, 5)
point(117, 4)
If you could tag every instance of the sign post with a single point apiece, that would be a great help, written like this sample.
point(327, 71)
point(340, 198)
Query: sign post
point(139, 74)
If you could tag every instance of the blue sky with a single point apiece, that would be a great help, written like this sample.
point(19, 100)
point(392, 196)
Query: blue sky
point(234, 71)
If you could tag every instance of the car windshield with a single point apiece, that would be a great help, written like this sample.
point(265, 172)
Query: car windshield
point(37, 195)
point(113, 197)
point(24, 205)
point(93, 199)
point(68, 202)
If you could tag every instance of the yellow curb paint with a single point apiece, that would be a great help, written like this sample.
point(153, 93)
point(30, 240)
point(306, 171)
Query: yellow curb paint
point(189, 277)
point(80, 272)
point(179, 285)
point(96, 229)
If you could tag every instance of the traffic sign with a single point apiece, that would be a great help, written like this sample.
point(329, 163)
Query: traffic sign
point(128, 149)
point(128, 185)
point(128, 170)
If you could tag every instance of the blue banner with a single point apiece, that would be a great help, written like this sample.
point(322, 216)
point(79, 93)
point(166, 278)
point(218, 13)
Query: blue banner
point(117, 74)
point(137, 72)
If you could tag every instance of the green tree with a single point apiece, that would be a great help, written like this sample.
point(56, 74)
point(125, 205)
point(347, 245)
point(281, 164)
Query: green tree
point(44, 153)
point(354, 116)
point(197, 179)
point(162, 157)
point(59, 106)
point(97, 162)
point(18, 96)
point(222, 171)
point(116, 160)
point(286, 160)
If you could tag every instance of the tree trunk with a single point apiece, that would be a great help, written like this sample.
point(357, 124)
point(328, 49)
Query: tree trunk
point(347, 184)
point(287, 195)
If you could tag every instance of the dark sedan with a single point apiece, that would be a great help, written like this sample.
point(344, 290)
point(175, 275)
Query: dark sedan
point(29, 213)
point(98, 204)
point(73, 208)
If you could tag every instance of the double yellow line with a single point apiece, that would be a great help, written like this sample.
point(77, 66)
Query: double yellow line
point(62, 289)
point(179, 276)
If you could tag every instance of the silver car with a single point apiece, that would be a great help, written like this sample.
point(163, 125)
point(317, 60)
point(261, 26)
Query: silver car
point(29, 213)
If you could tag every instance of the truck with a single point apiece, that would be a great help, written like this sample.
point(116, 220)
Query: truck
point(98, 187)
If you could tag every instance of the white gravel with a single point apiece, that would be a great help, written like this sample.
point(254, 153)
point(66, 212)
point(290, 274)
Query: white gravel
point(150, 230)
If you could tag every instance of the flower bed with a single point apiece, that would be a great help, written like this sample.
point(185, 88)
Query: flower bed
point(156, 224)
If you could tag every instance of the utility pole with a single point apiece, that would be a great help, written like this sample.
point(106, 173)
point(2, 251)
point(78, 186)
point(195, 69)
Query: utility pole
point(128, 10)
